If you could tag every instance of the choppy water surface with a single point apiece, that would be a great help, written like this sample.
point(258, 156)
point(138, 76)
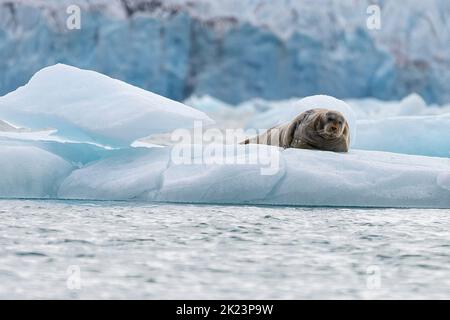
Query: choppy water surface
point(123, 250)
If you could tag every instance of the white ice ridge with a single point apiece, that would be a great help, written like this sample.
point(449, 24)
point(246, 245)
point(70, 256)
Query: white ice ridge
point(301, 177)
point(88, 106)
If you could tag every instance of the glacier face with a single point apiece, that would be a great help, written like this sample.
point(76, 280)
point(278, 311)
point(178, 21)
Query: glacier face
point(236, 50)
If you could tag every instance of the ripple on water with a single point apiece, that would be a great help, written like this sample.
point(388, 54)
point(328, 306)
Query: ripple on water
point(132, 250)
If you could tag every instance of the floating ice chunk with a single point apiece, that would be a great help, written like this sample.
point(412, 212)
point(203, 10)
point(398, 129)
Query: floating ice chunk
point(30, 172)
point(301, 177)
point(421, 135)
point(411, 105)
point(87, 106)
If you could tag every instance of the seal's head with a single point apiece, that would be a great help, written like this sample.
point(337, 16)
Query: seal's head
point(331, 124)
point(320, 129)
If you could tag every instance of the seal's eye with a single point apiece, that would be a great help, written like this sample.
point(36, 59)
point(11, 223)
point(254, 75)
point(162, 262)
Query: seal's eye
point(340, 122)
point(329, 119)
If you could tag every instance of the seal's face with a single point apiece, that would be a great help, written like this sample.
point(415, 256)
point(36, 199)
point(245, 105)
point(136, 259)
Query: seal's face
point(332, 125)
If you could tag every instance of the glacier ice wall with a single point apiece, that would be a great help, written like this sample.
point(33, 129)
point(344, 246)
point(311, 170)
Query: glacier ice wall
point(235, 50)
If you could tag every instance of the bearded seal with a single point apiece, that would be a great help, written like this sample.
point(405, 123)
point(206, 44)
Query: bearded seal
point(320, 129)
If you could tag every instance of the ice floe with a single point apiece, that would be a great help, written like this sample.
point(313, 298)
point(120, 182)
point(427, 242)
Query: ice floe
point(72, 134)
point(300, 177)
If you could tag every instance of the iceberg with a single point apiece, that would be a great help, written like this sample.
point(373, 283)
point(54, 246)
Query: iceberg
point(411, 105)
point(87, 106)
point(77, 134)
point(302, 177)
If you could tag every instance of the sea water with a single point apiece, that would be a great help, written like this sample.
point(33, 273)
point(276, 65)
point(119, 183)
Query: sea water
point(121, 250)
